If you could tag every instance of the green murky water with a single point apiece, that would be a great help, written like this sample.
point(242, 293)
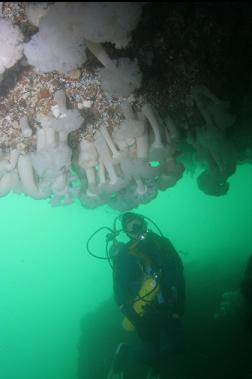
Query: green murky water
point(48, 281)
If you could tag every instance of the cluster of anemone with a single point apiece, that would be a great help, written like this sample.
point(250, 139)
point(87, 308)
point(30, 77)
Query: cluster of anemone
point(107, 166)
point(211, 142)
point(122, 166)
point(11, 44)
point(132, 163)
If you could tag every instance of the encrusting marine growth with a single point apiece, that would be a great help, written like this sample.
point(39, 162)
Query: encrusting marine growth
point(70, 130)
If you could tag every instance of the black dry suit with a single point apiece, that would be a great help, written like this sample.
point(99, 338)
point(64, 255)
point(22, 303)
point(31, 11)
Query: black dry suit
point(154, 255)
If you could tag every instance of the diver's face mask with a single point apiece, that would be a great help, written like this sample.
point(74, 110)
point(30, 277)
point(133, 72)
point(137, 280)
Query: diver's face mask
point(136, 229)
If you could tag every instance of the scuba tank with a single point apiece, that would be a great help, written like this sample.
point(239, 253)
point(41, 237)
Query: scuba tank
point(149, 289)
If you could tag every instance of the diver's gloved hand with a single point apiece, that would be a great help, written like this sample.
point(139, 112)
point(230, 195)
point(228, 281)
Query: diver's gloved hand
point(143, 326)
point(151, 318)
point(131, 314)
point(146, 328)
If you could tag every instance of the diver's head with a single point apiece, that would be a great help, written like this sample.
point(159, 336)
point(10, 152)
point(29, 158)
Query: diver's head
point(134, 226)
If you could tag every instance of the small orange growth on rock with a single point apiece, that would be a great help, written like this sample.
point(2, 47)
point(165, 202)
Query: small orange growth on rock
point(44, 93)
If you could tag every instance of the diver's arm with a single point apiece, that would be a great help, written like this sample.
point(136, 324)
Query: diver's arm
point(130, 314)
point(123, 303)
point(124, 306)
point(173, 278)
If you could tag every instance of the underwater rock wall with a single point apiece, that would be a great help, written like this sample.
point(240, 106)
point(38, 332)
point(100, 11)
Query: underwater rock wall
point(111, 112)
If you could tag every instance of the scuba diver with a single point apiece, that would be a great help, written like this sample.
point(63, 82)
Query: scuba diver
point(149, 289)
